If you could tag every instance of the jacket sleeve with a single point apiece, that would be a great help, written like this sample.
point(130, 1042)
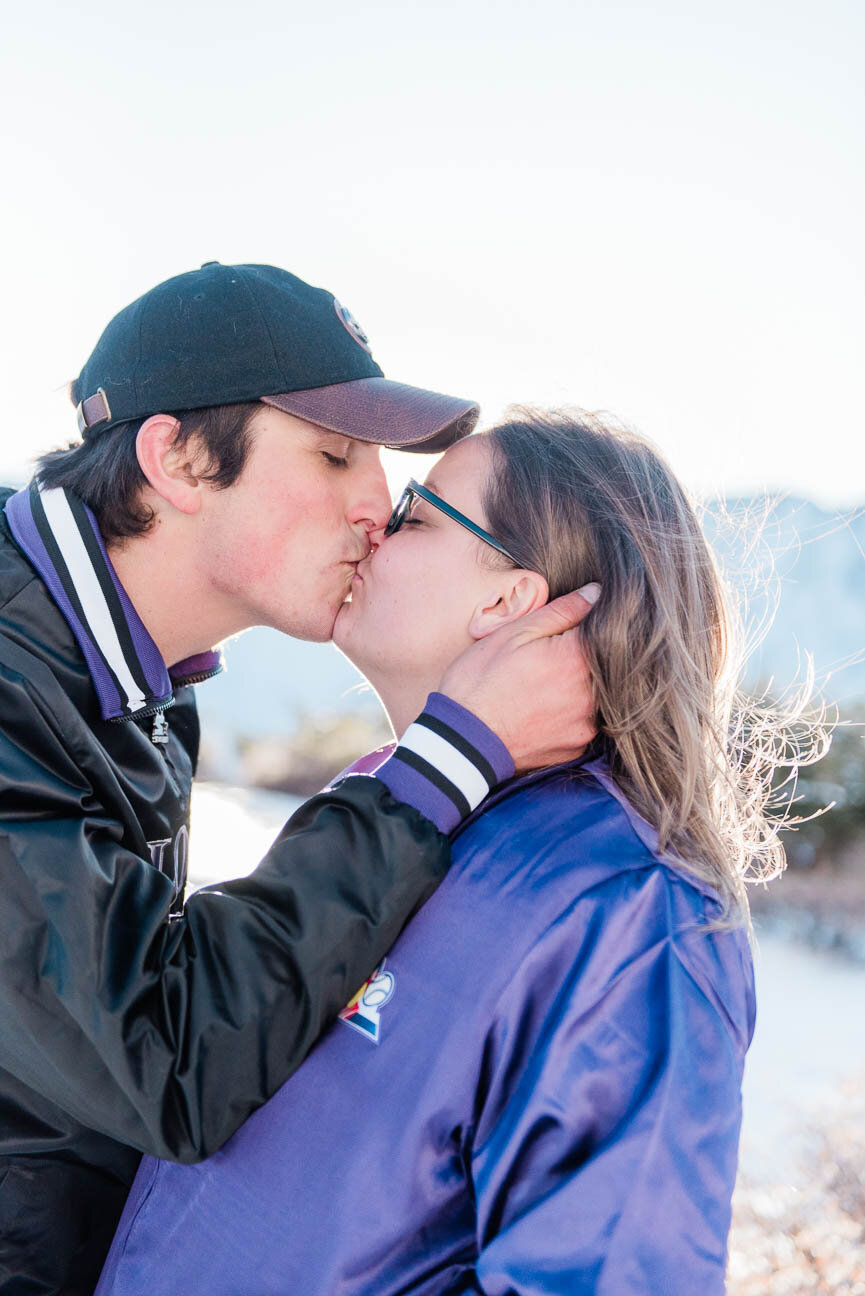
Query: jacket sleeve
point(165, 1033)
point(606, 1159)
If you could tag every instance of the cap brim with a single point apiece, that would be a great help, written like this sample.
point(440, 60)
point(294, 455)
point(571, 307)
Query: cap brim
point(384, 412)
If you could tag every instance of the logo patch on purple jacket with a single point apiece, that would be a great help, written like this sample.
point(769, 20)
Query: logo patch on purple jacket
point(362, 1010)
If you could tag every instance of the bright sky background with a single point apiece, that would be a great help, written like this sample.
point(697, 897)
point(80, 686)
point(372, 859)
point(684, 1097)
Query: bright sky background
point(656, 209)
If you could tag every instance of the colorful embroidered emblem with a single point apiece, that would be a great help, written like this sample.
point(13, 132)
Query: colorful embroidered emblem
point(362, 1011)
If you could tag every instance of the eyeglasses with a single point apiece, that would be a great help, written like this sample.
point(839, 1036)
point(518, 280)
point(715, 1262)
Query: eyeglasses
point(415, 491)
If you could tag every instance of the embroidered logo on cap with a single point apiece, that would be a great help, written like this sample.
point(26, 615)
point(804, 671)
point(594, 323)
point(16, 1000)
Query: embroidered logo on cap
point(348, 322)
point(362, 1010)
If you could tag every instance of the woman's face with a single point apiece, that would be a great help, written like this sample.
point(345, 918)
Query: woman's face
point(414, 598)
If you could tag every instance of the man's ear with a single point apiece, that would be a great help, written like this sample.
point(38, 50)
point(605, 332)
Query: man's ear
point(170, 470)
point(516, 594)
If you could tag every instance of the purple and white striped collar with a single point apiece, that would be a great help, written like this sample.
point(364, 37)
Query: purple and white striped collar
point(60, 536)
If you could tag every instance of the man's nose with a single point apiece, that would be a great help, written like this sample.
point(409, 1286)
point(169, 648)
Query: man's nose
point(372, 506)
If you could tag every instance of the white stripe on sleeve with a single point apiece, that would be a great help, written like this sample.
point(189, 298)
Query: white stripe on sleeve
point(448, 761)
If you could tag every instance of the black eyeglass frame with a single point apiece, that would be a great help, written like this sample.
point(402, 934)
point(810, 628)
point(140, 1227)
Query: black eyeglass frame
point(414, 490)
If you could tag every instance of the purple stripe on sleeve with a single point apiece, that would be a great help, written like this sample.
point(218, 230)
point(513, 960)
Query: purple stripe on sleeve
point(405, 784)
point(474, 731)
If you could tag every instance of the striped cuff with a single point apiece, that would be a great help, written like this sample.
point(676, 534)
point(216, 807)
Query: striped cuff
point(446, 763)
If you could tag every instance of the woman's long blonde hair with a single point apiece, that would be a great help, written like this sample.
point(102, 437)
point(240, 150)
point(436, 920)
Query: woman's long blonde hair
point(578, 499)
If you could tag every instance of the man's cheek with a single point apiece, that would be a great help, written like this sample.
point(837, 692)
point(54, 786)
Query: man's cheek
point(287, 555)
point(260, 563)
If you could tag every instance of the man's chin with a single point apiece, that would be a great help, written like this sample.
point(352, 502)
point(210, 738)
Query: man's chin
point(339, 628)
point(308, 631)
point(330, 627)
point(346, 638)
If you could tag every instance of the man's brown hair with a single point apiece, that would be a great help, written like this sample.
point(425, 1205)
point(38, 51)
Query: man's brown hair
point(103, 470)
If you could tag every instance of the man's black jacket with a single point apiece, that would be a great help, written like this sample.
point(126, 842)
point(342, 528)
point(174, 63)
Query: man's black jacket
point(129, 1022)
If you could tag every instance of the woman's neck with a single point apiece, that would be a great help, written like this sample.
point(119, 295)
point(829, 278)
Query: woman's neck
point(403, 699)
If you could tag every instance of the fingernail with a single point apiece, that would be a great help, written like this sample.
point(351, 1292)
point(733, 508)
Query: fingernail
point(591, 592)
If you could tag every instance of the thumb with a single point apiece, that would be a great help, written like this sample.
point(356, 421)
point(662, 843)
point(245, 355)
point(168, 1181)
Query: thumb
point(561, 614)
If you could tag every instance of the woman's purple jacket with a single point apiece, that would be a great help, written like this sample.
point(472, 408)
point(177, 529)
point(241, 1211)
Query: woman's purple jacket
point(538, 1091)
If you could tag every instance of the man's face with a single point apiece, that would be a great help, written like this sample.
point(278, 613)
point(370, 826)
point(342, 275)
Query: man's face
point(281, 545)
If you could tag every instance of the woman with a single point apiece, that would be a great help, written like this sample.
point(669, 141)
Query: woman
point(539, 1089)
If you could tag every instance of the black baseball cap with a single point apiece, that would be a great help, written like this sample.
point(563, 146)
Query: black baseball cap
point(231, 333)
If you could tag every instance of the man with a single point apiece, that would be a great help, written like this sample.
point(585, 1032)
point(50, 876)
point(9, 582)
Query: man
point(228, 476)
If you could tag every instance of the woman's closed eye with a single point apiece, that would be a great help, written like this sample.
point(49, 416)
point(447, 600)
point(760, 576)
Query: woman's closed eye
point(335, 461)
point(420, 514)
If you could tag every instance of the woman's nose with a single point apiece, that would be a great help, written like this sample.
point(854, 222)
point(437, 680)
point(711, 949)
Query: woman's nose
point(376, 535)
